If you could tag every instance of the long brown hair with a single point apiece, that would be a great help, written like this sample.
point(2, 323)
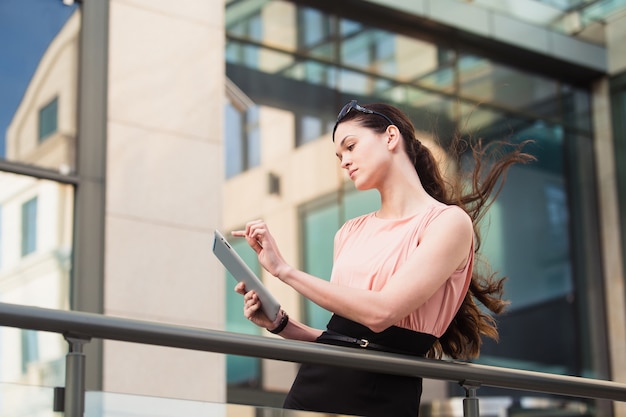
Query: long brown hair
point(463, 338)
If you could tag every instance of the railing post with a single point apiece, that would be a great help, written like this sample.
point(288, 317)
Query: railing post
point(470, 402)
point(74, 404)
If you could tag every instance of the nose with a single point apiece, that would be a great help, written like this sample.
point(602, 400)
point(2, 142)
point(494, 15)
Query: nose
point(345, 163)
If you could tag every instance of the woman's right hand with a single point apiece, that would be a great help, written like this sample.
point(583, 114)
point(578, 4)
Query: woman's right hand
point(260, 239)
point(252, 308)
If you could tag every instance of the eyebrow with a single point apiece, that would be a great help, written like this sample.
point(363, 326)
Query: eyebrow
point(341, 145)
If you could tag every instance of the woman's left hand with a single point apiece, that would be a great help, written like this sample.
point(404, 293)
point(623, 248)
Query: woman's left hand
point(262, 242)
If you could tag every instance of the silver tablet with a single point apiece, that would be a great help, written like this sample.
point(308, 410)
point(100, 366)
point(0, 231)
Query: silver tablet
point(241, 272)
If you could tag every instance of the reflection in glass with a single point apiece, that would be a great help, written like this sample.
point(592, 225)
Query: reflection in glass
point(242, 142)
point(30, 348)
point(250, 28)
point(312, 72)
point(38, 79)
point(312, 127)
point(126, 405)
point(430, 113)
point(36, 247)
point(390, 55)
point(316, 33)
point(525, 236)
point(25, 400)
point(320, 221)
point(362, 84)
point(577, 108)
point(319, 227)
point(48, 119)
point(370, 57)
point(29, 226)
point(370, 49)
point(565, 16)
point(484, 80)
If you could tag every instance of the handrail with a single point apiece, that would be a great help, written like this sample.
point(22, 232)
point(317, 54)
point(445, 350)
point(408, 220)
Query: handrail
point(79, 325)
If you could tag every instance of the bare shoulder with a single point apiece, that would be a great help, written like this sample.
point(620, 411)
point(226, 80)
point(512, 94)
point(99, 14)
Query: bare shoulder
point(452, 219)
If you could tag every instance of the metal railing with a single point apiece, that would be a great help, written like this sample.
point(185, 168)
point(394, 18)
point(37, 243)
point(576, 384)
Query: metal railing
point(79, 328)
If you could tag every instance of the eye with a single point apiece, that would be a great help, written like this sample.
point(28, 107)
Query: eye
point(350, 147)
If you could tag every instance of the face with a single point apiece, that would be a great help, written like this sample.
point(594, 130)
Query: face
point(363, 153)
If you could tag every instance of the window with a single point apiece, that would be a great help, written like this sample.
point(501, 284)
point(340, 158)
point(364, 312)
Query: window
point(241, 370)
point(242, 140)
point(29, 226)
point(320, 221)
point(30, 348)
point(311, 127)
point(618, 109)
point(0, 237)
point(319, 227)
point(541, 232)
point(249, 28)
point(48, 119)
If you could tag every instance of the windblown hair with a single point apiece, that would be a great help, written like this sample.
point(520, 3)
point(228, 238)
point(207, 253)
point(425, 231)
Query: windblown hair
point(474, 193)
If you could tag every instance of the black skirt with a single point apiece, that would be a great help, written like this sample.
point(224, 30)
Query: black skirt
point(332, 389)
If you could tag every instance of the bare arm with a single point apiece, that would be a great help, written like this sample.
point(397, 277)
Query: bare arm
point(252, 311)
point(444, 248)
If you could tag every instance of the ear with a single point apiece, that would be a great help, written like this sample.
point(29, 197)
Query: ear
point(393, 137)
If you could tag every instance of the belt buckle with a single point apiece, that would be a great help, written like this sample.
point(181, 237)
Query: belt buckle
point(363, 343)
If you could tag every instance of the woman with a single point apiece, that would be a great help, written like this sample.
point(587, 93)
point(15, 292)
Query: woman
point(408, 267)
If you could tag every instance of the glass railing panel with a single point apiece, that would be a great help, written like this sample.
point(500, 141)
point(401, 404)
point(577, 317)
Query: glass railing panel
point(524, 406)
point(104, 404)
point(17, 400)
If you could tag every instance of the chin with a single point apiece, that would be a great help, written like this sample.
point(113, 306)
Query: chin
point(361, 186)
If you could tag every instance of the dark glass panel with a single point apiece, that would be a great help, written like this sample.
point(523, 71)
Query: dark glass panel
point(577, 109)
point(618, 113)
point(487, 81)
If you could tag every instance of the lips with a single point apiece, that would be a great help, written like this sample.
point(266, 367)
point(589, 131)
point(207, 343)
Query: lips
point(351, 173)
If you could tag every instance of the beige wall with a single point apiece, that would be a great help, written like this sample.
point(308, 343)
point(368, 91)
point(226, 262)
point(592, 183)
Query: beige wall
point(610, 235)
point(164, 176)
point(614, 279)
point(615, 38)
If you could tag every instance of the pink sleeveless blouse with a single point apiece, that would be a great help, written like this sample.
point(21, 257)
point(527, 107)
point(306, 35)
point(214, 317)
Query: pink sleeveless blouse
point(369, 250)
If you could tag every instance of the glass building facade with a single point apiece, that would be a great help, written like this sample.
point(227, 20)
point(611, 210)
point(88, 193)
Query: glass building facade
point(37, 151)
point(297, 64)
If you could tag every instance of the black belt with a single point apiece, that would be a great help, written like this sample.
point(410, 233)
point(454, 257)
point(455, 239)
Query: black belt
point(363, 343)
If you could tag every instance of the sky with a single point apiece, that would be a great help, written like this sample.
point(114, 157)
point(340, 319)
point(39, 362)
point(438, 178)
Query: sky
point(26, 29)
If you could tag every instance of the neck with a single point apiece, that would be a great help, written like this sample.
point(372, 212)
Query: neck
point(403, 195)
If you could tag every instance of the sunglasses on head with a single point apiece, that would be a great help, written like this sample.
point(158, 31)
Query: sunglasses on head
point(353, 105)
